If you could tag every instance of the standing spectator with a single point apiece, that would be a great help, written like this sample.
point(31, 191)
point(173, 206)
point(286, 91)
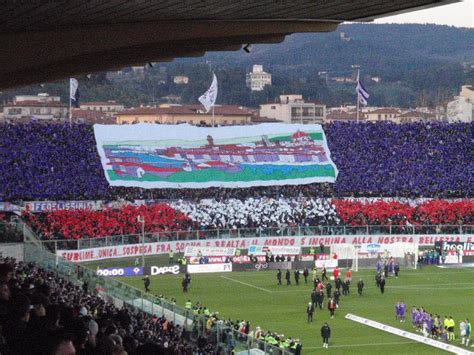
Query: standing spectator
point(337, 296)
point(338, 284)
point(360, 287)
point(146, 283)
point(324, 276)
point(325, 334)
point(397, 270)
point(297, 277)
point(382, 284)
point(320, 299)
point(328, 289)
point(468, 331)
point(184, 283)
point(451, 325)
point(310, 311)
point(462, 331)
point(321, 247)
point(314, 297)
point(403, 311)
point(331, 307)
point(305, 275)
point(349, 275)
point(85, 286)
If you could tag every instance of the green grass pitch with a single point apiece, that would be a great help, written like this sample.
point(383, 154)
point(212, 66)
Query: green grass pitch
point(255, 296)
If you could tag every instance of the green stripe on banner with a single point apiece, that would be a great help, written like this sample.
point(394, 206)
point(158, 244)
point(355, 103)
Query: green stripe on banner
point(245, 175)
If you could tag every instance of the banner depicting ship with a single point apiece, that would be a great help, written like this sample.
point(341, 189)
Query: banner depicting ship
point(185, 156)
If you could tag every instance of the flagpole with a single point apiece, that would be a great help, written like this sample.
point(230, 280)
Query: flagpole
point(70, 113)
point(357, 99)
point(213, 122)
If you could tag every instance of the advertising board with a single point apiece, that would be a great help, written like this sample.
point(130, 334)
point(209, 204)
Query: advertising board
point(209, 251)
point(275, 250)
point(120, 271)
point(208, 268)
point(134, 250)
point(161, 270)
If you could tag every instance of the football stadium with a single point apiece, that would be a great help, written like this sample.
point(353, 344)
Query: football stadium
point(267, 237)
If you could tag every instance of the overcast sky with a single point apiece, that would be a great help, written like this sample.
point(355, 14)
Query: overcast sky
point(459, 15)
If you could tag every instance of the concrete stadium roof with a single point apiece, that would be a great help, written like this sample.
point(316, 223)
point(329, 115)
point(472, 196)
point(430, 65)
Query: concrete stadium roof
point(45, 40)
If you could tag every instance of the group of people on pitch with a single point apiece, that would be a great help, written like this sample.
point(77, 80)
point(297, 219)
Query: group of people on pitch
point(439, 328)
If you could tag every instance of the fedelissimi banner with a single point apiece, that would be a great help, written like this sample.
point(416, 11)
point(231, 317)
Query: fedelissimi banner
point(185, 156)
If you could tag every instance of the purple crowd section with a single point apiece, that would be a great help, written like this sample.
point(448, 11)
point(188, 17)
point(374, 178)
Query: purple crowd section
point(53, 162)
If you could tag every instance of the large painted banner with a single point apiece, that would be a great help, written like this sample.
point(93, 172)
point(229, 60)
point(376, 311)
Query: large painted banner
point(135, 250)
point(176, 156)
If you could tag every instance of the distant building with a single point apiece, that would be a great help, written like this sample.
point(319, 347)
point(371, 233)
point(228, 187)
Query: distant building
point(258, 79)
point(193, 114)
point(172, 99)
point(110, 108)
point(383, 114)
point(416, 116)
point(91, 117)
point(35, 107)
point(343, 116)
point(41, 97)
point(293, 109)
point(467, 91)
point(181, 80)
point(461, 109)
point(344, 38)
point(342, 79)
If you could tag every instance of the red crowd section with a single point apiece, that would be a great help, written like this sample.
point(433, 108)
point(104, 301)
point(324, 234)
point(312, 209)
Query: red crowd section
point(76, 224)
point(432, 212)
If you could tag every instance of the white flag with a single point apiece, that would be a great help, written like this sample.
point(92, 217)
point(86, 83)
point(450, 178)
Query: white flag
point(74, 91)
point(208, 99)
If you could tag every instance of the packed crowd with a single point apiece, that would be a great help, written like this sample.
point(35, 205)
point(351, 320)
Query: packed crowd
point(81, 223)
point(41, 313)
point(375, 159)
point(283, 215)
point(430, 212)
point(259, 212)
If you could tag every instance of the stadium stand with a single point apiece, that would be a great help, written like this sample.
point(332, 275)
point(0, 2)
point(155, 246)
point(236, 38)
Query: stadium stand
point(380, 159)
point(185, 216)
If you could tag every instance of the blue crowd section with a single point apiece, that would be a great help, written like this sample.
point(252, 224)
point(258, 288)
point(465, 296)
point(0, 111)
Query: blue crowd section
point(52, 162)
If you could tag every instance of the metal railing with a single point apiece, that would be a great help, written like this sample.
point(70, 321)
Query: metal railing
point(121, 294)
point(313, 231)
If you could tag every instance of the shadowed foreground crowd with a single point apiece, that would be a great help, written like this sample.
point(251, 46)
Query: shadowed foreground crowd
point(41, 313)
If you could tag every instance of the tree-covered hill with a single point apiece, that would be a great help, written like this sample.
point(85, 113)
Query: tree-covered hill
point(417, 64)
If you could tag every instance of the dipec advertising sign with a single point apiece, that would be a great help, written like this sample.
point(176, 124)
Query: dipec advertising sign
point(161, 270)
